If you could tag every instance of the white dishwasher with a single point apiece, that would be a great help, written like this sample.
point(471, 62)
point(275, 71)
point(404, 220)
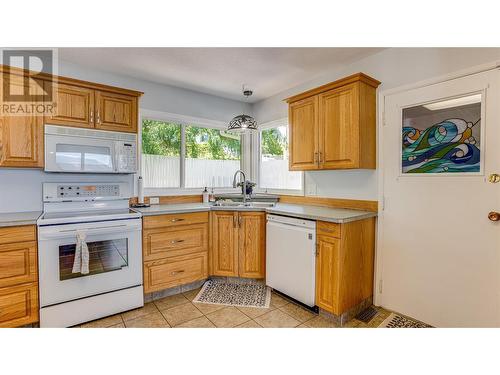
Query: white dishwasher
point(291, 257)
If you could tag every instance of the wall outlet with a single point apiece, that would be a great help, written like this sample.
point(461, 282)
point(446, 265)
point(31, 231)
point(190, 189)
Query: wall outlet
point(154, 200)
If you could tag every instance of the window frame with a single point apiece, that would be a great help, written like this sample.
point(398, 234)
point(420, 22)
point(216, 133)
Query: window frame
point(184, 121)
point(256, 152)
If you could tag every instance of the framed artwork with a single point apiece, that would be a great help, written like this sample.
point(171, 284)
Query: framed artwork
point(442, 137)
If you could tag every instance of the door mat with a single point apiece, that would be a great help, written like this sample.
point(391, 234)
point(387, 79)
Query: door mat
point(234, 294)
point(399, 321)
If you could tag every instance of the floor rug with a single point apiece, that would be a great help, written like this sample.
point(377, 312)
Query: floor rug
point(234, 294)
point(399, 321)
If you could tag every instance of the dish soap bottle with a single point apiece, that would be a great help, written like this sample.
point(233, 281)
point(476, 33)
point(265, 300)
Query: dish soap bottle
point(205, 195)
point(211, 197)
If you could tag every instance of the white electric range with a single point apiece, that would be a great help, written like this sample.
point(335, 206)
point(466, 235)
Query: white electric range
point(89, 253)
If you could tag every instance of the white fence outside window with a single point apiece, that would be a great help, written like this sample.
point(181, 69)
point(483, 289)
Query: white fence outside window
point(164, 171)
point(274, 174)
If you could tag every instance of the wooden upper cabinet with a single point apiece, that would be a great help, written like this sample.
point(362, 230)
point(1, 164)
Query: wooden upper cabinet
point(116, 112)
point(21, 137)
point(224, 243)
point(252, 244)
point(334, 126)
point(74, 106)
point(76, 103)
point(303, 118)
point(339, 139)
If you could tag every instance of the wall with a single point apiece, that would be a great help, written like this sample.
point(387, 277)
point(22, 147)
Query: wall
point(393, 67)
point(21, 189)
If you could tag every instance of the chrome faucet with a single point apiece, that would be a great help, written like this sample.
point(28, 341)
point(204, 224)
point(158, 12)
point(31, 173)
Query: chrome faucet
point(243, 184)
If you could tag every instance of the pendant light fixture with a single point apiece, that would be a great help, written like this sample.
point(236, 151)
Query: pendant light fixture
point(243, 123)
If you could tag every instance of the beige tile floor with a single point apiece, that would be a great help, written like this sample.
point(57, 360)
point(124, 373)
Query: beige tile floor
point(179, 311)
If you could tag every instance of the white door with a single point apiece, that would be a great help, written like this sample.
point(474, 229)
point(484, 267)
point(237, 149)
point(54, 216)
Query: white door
point(438, 250)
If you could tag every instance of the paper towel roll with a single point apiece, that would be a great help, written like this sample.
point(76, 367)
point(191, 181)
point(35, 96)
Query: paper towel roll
point(140, 191)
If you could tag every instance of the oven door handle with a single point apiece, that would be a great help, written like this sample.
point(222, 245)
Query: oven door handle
point(89, 231)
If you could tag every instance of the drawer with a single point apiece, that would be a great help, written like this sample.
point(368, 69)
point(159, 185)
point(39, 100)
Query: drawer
point(19, 305)
point(17, 234)
point(175, 241)
point(167, 273)
point(171, 220)
point(328, 229)
point(18, 263)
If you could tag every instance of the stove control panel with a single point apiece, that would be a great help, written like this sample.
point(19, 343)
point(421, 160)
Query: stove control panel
point(81, 192)
point(74, 191)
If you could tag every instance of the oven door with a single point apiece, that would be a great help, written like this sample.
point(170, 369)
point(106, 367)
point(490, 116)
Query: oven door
point(79, 154)
point(115, 259)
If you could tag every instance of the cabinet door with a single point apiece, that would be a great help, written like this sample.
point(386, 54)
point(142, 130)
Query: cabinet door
point(116, 112)
point(74, 106)
point(224, 243)
point(21, 137)
point(18, 305)
point(327, 286)
point(18, 263)
point(252, 244)
point(338, 128)
point(303, 128)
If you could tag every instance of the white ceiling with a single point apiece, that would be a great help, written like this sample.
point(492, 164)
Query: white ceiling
point(219, 71)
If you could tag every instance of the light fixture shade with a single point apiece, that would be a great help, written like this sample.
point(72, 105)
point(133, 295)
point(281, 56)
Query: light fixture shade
point(242, 124)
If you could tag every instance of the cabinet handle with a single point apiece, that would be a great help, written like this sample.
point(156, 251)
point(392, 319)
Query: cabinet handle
point(92, 116)
point(317, 249)
point(320, 157)
point(176, 241)
point(316, 158)
point(98, 117)
point(176, 272)
point(235, 219)
point(239, 220)
point(176, 220)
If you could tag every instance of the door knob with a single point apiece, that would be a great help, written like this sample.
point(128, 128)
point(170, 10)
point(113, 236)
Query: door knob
point(494, 178)
point(494, 216)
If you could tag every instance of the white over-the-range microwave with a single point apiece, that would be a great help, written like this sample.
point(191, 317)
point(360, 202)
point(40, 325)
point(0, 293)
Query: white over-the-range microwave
point(76, 150)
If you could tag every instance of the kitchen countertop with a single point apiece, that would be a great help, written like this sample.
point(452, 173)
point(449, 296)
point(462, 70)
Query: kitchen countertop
point(11, 219)
point(160, 209)
point(334, 215)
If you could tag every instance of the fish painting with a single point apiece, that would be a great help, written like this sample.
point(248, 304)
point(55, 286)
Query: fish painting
point(445, 147)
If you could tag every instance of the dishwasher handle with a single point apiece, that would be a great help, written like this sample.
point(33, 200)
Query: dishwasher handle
point(291, 227)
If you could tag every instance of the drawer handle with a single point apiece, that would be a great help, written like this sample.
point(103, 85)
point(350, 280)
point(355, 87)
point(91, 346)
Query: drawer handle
point(176, 241)
point(176, 219)
point(176, 272)
point(327, 230)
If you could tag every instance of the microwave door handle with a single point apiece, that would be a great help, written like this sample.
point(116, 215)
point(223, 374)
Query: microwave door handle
point(115, 156)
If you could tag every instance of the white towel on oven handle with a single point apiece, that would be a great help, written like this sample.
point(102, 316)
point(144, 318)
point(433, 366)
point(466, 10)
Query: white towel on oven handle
point(81, 261)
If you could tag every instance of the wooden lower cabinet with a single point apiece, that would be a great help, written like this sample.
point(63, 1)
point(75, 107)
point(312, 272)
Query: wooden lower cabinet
point(252, 245)
point(18, 305)
point(18, 276)
point(175, 250)
point(224, 243)
point(344, 264)
point(170, 272)
point(238, 244)
point(327, 272)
